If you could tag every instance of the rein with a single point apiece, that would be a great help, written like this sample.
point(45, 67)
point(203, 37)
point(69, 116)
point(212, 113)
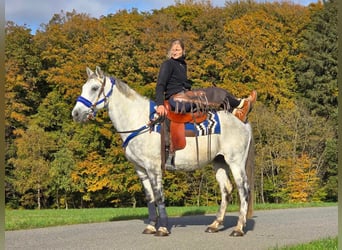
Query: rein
point(152, 122)
point(138, 131)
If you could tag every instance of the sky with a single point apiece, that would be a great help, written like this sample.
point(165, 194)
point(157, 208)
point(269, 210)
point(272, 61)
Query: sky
point(33, 13)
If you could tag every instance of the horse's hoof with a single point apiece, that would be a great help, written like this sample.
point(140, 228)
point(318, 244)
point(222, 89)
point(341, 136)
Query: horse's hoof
point(162, 231)
point(149, 230)
point(211, 230)
point(236, 233)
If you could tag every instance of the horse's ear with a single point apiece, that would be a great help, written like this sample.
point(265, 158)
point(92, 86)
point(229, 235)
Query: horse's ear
point(89, 72)
point(99, 72)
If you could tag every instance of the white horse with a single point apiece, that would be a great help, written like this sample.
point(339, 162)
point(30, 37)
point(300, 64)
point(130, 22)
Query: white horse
point(231, 149)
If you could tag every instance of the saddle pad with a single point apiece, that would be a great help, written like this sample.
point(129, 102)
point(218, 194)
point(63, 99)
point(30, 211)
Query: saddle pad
point(210, 126)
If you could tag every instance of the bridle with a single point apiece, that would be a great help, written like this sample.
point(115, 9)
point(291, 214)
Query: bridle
point(98, 101)
point(92, 110)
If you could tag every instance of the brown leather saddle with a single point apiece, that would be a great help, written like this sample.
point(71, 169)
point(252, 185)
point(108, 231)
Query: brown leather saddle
point(173, 132)
point(177, 125)
point(203, 100)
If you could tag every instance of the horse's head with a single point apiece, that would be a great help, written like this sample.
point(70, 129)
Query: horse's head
point(94, 96)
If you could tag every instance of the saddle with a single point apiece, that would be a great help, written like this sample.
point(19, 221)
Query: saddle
point(196, 98)
point(177, 126)
point(203, 100)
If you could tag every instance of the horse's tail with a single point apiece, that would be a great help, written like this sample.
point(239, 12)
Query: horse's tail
point(250, 177)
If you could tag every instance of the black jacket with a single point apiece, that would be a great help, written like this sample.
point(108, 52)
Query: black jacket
point(172, 79)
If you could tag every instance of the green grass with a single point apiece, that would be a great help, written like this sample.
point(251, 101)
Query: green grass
point(28, 219)
point(323, 244)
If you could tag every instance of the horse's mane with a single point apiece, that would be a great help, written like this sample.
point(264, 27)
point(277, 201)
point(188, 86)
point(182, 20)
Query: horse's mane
point(126, 90)
point(123, 88)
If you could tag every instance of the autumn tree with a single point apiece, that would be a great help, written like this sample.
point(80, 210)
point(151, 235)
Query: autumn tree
point(104, 183)
point(302, 180)
point(32, 166)
point(24, 90)
point(60, 174)
point(70, 43)
point(279, 49)
point(261, 51)
point(280, 142)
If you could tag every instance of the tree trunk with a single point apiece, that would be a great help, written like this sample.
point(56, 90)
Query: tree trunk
point(134, 202)
point(57, 199)
point(199, 191)
point(66, 203)
point(262, 186)
point(39, 205)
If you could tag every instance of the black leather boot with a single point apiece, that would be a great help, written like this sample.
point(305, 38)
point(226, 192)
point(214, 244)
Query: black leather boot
point(170, 162)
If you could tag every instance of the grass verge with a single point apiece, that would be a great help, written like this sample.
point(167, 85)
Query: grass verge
point(28, 219)
point(323, 244)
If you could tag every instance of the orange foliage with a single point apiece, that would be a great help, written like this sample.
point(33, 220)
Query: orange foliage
point(303, 179)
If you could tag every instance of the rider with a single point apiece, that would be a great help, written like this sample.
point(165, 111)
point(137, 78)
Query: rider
point(172, 79)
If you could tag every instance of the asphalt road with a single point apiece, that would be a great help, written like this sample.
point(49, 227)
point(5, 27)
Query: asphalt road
point(265, 230)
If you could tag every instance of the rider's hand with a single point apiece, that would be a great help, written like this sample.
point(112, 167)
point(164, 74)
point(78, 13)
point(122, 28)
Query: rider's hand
point(161, 110)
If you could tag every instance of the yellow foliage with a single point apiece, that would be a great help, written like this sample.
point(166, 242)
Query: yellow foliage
point(303, 179)
point(106, 132)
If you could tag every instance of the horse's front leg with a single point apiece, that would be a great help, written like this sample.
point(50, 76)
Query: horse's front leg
point(160, 202)
point(151, 205)
point(152, 218)
point(152, 183)
point(225, 189)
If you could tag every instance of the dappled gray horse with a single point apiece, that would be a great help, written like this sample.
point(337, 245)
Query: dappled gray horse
point(230, 148)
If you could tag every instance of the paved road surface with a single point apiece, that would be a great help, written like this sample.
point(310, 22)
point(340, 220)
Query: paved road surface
point(265, 230)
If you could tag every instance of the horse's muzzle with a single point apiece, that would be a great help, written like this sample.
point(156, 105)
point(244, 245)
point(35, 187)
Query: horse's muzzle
point(81, 117)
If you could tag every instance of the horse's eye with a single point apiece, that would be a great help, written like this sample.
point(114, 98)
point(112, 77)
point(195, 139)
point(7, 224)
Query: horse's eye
point(95, 88)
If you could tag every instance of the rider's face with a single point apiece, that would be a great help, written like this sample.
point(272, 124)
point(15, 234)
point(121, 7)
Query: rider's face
point(176, 51)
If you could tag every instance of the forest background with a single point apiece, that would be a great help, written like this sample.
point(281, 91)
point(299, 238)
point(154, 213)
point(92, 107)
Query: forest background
point(287, 52)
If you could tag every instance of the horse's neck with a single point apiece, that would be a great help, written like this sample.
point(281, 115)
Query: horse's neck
point(128, 112)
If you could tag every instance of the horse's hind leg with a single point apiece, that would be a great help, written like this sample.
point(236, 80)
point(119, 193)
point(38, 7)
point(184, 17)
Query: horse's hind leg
point(240, 178)
point(226, 187)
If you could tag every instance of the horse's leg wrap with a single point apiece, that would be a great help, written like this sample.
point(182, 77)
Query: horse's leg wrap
point(151, 205)
point(163, 219)
point(152, 219)
point(152, 213)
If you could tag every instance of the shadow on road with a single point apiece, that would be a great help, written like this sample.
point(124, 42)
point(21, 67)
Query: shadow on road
point(205, 220)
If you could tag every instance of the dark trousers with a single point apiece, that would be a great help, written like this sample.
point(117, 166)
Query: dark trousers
point(182, 107)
